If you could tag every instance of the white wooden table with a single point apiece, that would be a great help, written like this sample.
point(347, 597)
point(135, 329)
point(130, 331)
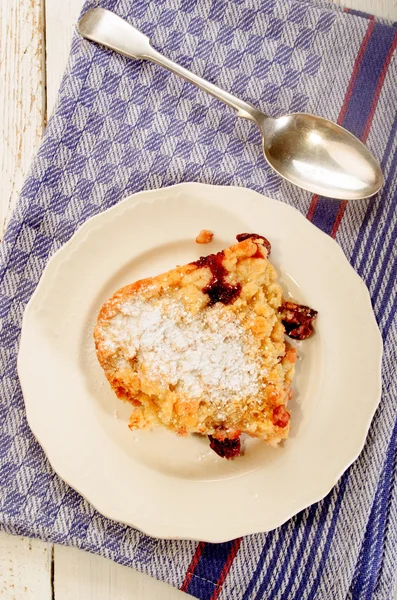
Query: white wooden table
point(35, 38)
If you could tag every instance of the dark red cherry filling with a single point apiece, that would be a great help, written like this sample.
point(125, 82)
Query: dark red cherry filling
point(281, 416)
point(297, 320)
point(218, 289)
point(227, 448)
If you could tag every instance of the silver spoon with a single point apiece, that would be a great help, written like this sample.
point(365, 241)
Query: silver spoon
point(309, 151)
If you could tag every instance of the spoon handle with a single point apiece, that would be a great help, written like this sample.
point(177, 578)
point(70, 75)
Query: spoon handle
point(108, 29)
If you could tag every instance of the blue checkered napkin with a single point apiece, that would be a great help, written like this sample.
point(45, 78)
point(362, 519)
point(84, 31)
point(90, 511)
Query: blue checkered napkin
point(120, 126)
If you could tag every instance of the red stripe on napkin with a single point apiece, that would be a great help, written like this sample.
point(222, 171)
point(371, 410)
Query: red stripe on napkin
point(226, 568)
point(192, 566)
point(368, 124)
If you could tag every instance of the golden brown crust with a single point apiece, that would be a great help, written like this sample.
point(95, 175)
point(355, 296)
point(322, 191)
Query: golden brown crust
point(254, 409)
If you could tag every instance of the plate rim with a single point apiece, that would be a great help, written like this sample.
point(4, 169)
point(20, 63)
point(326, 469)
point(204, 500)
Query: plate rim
point(142, 196)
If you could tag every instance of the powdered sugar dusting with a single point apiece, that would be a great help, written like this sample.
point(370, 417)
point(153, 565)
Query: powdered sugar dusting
point(208, 355)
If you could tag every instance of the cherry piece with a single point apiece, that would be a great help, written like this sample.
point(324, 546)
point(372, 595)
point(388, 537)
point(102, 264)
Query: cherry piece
point(255, 236)
point(218, 289)
point(227, 448)
point(297, 320)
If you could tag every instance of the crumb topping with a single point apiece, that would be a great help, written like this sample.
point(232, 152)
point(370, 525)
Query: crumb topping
point(210, 355)
point(204, 237)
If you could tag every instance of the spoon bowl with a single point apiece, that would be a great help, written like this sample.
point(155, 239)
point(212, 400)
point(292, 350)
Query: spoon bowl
point(309, 151)
point(320, 156)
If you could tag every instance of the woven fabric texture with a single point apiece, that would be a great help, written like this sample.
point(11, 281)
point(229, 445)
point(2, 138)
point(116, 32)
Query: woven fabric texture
point(120, 126)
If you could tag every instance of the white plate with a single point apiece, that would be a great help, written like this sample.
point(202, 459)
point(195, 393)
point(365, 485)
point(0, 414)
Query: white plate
point(176, 487)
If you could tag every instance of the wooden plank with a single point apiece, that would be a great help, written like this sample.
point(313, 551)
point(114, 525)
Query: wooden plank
point(25, 569)
point(25, 565)
point(386, 9)
point(22, 94)
point(83, 576)
point(61, 18)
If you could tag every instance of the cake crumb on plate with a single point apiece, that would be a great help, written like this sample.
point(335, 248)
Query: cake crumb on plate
point(204, 237)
